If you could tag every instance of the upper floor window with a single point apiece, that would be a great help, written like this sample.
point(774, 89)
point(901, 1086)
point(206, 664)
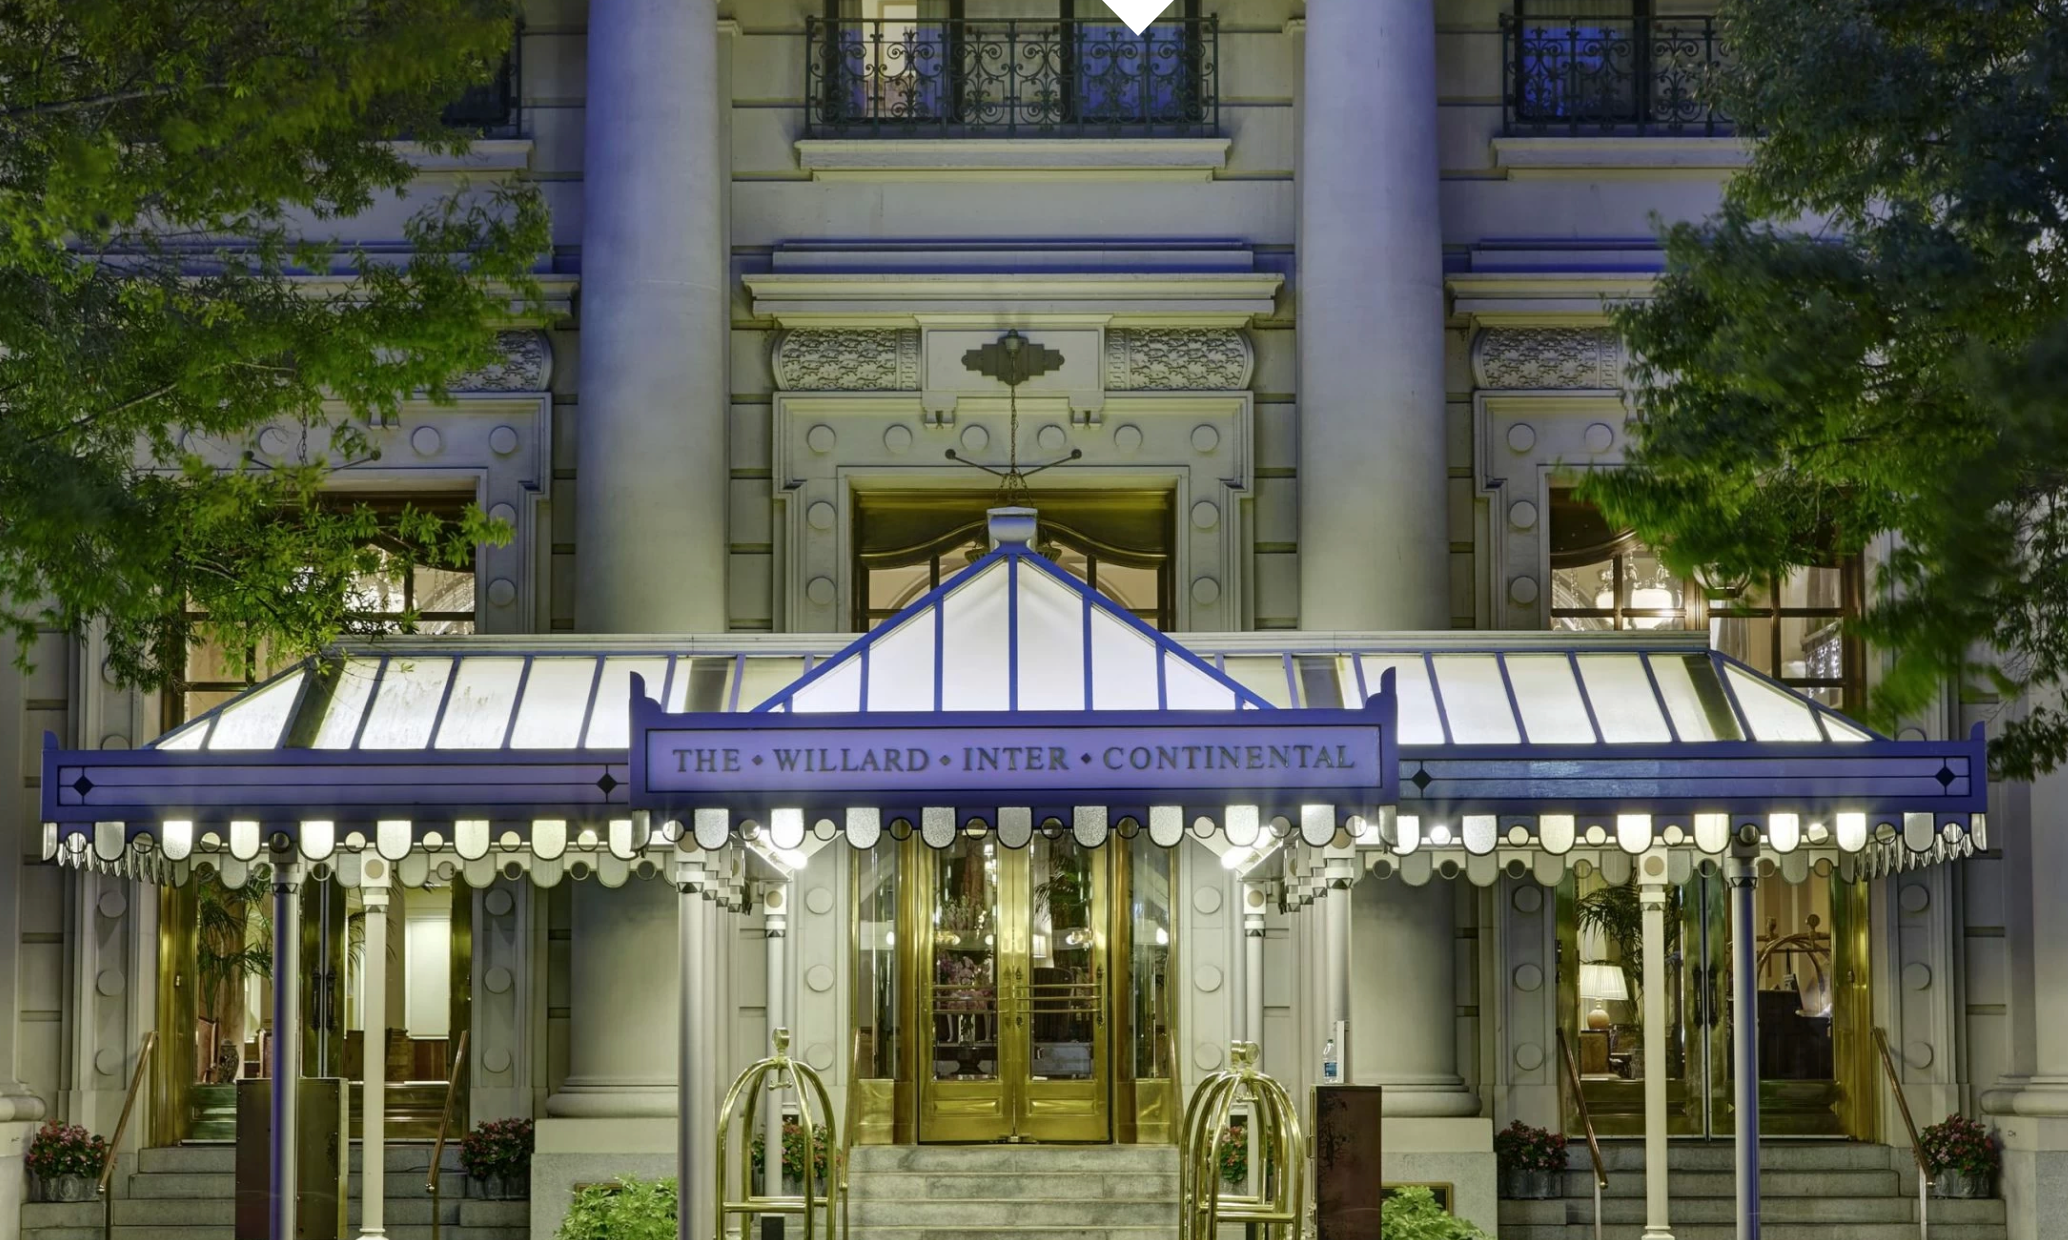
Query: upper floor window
point(1607, 66)
point(1008, 68)
point(908, 542)
point(1792, 629)
point(402, 595)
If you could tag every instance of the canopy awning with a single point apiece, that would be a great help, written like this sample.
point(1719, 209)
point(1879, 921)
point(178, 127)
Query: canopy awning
point(471, 758)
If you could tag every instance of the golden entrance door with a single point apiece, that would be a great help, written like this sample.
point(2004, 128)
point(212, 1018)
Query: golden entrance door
point(1015, 1007)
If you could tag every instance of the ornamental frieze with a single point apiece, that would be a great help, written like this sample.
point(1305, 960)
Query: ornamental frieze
point(1177, 359)
point(1540, 358)
point(830, 360)
point(524, 363)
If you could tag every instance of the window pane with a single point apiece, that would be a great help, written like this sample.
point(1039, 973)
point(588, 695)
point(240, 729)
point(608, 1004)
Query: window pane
point(1549, 698)
point(477, 715)
point(1475, 699)
point(407, 704)
point(1624, 704)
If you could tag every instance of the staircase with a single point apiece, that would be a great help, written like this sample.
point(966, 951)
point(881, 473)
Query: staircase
point(188, 1192)
point(1807, 1191)
point(1015, 1192)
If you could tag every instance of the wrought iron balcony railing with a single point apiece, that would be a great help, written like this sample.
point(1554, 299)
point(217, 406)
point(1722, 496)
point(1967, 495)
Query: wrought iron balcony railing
point(1607, 75)
point(886, 78)
point(491, 107)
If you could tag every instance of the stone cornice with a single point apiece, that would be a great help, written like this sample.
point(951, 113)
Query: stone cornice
point(1544, 299)
point(1199, 299)
point(1012, 159)
point(1612, 156)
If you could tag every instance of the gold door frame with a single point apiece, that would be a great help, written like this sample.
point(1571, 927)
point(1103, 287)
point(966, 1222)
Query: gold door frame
point(1010, 1103)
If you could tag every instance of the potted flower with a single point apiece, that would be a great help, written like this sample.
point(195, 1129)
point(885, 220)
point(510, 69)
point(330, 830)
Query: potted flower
point(64, 1160)
point(793, 1157)
point(1531, 1161)
point(1231, 1155)
point(497, 1159)
point(1963, 1159)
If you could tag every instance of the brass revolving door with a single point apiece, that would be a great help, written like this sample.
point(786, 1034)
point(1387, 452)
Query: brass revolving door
point(1014, 970)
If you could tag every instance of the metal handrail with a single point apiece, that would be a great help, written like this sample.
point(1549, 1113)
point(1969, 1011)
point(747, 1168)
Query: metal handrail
point(854, 1080)
point(452, 1085)
point(1924, 1170)
point(136, 1080)
point(1571, 1076)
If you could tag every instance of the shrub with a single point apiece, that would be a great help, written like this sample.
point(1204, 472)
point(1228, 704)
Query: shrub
point(627, 1210)
point(1411, 1213)
point(1960, 1144)
point(1519, 1147)
point(60, 1150)
point(497, 1149)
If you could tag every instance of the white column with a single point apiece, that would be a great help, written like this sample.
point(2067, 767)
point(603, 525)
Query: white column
point(373, 1020)
point(691, 1062)
point(1405, 1002)
point(1335, 913)
point(1255, 901)
point(1741, 875)
point(1651, 895)
point(287, 1043)
point(652, 464)
point(775, 924)
point(1374, 529)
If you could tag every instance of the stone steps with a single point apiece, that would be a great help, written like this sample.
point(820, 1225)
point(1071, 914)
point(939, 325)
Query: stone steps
point(1020, 1192)
point(1808, 1191)
point(188, 1193)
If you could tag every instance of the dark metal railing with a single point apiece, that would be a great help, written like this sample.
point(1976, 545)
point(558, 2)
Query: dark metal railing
point(1610, 75)
point(491, 107)
point(885, 78)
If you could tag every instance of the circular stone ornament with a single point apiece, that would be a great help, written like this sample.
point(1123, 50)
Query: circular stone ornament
point(1600, 437)
point(502, 592)
point(1052, 437)
point(1128, 438)
point(819, 977)
point(821, 516)
point(1522, 515)
point(821, 439)
point(426, 441)
point(498, 903)
point(975, 438)
point(1206, 591)
point(498, 980)
point(1522, 590)
point(1522, 437)
point(1205, 438)
point(898, 439)
point(820, 590)
point(1205, 515)
point(818, 900)
point(503, 440)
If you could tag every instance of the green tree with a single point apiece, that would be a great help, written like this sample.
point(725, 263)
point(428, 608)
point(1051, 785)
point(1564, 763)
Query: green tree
point(1868, 344)
point(174, 175)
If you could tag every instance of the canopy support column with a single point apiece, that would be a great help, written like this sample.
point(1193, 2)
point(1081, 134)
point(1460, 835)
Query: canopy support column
point(1335, 915)
point(287, 1040)
point(690, 1059)
point(373, 1107)
point(1741, 873)
point(1254, 902)
point(775, 908)
point(1651, 896)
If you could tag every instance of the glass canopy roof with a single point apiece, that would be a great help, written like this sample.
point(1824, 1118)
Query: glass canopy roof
point(481, 757)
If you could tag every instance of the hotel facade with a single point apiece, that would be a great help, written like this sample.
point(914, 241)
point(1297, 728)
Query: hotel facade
point(1287, 322)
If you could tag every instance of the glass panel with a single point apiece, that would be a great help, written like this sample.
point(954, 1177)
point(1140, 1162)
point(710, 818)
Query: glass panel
point(1263, 675)
point(901, 667)
point(407, 705)
point(1773, 713)
point(610, 719)
point(1419, 724)
point(1063, 976)
point(1475, 699)
point(1624, 704)
point(973, 660)
point(258, 720)
point(876, 963)
point(1320, 685)
point(484, 692)
point(556, 699)
point(340, 724)
point(1149, 997)
point(1548, 695)
point(965, 955)
point(1695, 698)
point(763, 678)
point(1134, 588)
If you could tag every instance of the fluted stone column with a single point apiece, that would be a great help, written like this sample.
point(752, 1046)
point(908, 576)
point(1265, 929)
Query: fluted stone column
point(1374, 534)
point(652, 467)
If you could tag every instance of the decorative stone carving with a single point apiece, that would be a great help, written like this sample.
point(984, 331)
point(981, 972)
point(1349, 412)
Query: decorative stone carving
point(829, 360)
point(525, 364)
point(1526, 358)
point(1178, 359)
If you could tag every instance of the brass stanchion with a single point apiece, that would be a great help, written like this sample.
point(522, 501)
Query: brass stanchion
point(778, 1071)
point(1276, 1204)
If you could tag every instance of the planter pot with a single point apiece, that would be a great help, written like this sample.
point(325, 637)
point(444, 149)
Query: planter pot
point(61, 1188)
point(1956, 1184)
point(499, 1187)
point(1518, 1185)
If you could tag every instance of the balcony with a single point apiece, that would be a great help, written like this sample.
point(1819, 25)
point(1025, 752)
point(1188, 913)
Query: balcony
point(893, 78)
point(1596, 76)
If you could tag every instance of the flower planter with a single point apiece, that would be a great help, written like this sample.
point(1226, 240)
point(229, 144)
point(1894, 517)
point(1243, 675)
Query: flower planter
point(1518, 1184)
point(1962, 1185)
point(499, 1187)
point(61, 1188)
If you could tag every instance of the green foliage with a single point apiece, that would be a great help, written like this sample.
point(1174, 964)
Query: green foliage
point(173, 176)
point(627, 1210)
point(1961, 1145)
point(1868, 344)
point(233, 938)
point(1412, 1214)
point(1615, 912)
